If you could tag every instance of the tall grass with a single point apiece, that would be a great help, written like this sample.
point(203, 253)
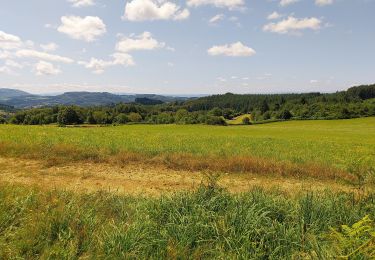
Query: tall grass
point(208, 223)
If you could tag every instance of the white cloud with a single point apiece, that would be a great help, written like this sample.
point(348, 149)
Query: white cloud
point(143, 41)
point(49, 26)
point(313, 81)
point(88, 28)
point(5, 55)
point(98, 66)
point(13, 64)
point(9, 41)
point(216, 18)
point(142, 10)
point(6, 70)
point(81, 3)
point(287, 2)
point(43, 68)
point(323, 2)
point(234, 50)
point(231, 4)
point(49, 46)
point(273, 16)
point(292, 25)
point(42, 56)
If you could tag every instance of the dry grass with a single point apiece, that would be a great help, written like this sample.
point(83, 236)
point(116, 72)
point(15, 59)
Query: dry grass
point(141, 179)
point(62, 154)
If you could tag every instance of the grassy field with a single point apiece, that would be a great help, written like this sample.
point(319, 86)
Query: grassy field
point(73, 193)
point(295, 147)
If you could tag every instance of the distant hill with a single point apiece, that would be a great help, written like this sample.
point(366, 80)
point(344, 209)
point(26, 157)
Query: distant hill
point(249, 102)
point(20, 99)
point(6, 108)
point(6, 93)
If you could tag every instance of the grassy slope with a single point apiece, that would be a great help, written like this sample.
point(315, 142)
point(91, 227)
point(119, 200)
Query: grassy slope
point(332, 143)
point(237, 120)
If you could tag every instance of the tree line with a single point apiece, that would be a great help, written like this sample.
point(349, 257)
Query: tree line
point(214, 110)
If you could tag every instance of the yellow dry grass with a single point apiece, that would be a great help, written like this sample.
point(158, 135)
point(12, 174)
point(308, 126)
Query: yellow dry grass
point(142, 179)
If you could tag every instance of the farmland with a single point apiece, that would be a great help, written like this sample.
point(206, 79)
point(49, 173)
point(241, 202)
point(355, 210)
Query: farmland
point(186, 191)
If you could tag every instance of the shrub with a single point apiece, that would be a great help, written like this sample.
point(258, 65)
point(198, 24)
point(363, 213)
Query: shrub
point(246, 121)
point(135, 117)
point(285, 114)
point(215, 120)
point(68, 116)
point(121, 119)
point(216, 112)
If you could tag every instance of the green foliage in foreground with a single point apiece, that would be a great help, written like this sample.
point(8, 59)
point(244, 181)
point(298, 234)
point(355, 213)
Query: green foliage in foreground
point(357, 241)
point(209, 223)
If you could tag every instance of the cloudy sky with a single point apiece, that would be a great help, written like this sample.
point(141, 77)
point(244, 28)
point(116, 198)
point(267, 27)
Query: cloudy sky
point(186, 46)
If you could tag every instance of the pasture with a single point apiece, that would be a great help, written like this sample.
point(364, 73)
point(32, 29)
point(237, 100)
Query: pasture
point(272, 191)
point(323, 144)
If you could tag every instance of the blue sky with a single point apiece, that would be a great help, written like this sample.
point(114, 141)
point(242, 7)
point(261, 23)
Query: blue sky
point(186, 47)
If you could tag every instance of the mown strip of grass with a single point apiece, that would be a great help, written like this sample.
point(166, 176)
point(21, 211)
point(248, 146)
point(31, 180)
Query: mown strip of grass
point(208, 223)
point(63, 154)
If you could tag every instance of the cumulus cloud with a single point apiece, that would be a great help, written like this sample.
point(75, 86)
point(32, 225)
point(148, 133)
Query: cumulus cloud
point(9, 41)
point(13, 64)
point(323, 2)
point(216, 18)
point(234, 50)
point(5, 55)
point(81, 3)
point(87, 28)
point(43, 68)
point(273, 16)
point(143, 41)
point(231, 4)
point(42, 56)
point(6, 70)
point(287, 2)
point(292, 25)
point(142, 10)
point(98, 66)
point(49, 46)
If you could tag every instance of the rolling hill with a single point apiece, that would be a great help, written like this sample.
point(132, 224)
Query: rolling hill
point(21, 99)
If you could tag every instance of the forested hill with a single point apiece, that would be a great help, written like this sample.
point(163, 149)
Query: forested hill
point(262, 102)
point(218, 109)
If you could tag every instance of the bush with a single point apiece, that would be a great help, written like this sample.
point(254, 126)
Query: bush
point(215, 120)
point(285, 114)
point(246, 121)
point(121, 118)
point(101, 117)
point(135, 117)
point(68, 116)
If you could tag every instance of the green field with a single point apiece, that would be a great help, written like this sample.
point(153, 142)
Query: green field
point(330, 143)
point(208, 222)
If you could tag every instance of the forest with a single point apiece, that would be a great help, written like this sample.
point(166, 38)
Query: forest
point(355, 102)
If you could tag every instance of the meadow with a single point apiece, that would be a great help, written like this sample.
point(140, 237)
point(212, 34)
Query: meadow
point(207, 222)
point(296, 147)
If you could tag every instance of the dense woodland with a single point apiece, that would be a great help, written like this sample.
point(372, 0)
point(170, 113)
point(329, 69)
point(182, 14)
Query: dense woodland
point(216, 110)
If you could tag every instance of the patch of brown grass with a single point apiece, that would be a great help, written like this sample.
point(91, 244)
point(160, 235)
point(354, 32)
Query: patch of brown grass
point(62, 153)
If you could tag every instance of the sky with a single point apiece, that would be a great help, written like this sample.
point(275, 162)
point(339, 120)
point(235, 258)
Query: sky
point(186, 46)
